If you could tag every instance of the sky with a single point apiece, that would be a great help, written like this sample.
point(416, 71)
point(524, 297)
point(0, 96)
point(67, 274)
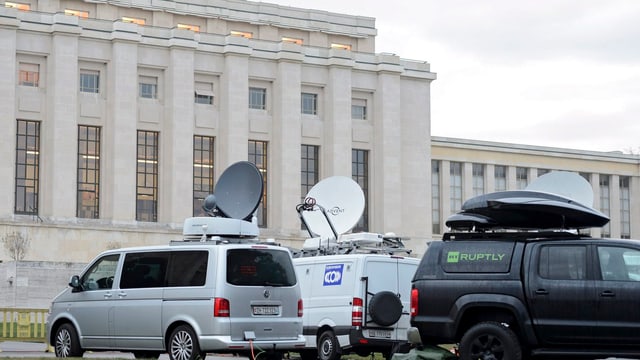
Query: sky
point(559, 73)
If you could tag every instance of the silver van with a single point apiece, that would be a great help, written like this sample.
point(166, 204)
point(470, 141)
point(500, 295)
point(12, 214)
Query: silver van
point(186, 299)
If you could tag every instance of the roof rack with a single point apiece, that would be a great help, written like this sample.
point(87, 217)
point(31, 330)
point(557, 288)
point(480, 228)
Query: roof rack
point(514, 235)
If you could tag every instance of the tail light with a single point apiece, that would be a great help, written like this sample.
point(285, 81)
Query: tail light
point(221, 307)
point(300, 307)
point(356, 312)
point(413, 304)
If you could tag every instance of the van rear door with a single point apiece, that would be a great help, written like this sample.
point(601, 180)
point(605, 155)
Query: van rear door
point(263, 295)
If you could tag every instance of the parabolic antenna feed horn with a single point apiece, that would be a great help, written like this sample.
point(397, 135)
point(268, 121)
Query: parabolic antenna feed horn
point(332, 207)
point(557, 200)
point(231, 207)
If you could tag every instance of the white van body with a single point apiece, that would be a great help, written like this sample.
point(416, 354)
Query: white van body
point(187, 298)
point(351, 303)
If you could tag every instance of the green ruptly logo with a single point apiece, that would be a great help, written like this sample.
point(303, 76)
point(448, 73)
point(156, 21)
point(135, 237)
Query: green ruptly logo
point(456, 256)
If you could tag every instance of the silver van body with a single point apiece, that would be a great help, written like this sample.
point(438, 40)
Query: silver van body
point(227, 297)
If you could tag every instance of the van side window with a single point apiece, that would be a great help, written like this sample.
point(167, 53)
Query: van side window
point(188, 268)
point(260, 267)
point(144, 270)
point(100, 274)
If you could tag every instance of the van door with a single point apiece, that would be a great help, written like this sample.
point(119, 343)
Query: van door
point(262, 291)
point(138, 301)
point(92, 306)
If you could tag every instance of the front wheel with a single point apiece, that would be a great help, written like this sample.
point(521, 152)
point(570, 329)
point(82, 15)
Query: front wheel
point(490, 341)
point(66, 343)
point(328, 346)
point(183, 344)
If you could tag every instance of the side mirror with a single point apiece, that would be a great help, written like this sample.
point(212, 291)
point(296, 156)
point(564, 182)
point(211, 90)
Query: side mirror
point(74, 282)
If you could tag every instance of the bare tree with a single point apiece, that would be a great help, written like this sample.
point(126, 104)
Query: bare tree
point(16, 245)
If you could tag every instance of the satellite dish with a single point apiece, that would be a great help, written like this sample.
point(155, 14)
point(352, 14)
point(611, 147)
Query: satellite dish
point(238, 191)
point(564, 183)
point(342, 199)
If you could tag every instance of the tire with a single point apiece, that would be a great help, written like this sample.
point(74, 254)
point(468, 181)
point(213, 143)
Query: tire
point(490, 341)
point(328, 346)
point(183, 344)
point(66, 342)
point(385, 308)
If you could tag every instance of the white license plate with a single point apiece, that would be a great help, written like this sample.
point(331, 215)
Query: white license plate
point(384, 334)
point(265, 310)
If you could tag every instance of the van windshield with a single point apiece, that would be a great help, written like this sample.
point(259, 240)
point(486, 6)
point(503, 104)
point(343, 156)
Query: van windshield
point(260, 267)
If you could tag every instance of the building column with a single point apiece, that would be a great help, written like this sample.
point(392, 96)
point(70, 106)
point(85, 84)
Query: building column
point(8, 84)
point(489, 178)
point(634, 193)
point(337, 144)
point(286, 141)
point(445, 191)
point(59, 131)
point(118, 188)
point(615, 222)
point(595, 184)
point(176, 197)
point(232, 142)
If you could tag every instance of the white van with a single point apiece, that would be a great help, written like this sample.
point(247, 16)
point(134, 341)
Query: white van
point(354, 303)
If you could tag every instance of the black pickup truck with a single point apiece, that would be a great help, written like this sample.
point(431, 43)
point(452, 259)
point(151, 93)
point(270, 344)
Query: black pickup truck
point(513, 295)
point(518, 277)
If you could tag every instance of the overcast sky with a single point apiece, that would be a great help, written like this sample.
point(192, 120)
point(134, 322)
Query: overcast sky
point(561, 73)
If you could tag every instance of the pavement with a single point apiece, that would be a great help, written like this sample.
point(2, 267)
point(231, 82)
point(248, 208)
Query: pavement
point(18, 349)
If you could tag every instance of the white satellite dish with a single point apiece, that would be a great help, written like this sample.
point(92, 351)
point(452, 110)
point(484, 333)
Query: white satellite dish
point(564, 183)
point(343, 201)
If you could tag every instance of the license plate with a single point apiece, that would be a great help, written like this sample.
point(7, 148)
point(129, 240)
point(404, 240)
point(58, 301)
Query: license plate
point(266, 310)
point(385, 334)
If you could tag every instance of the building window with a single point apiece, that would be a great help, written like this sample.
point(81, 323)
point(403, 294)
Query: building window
point(478, 179)
point(138, 21)
point(435, 197)
point(194, 28)
point(605, 206)
point(204, 93)
point(522, 178)
point(625, 208)
point(257, 98)
point(90, 81)
point(244, 34)
point(202, 171)
point(359, 109)
point(292, 40)
point(455, 186)
point(27, 167)
point(309, 103)
point(88, 201)
point(543, 171)
point(258, 156)
point(341, 46)
point(78, 13)
point(309, 170)
point(500, 177)
point(360, 173)
point(29, 74)
point(148, 87)
point(147, 176)
point(19, 6)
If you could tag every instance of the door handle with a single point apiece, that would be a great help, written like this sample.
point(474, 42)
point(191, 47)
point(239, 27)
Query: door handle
point(607, 293)
point(542, 292)
point(122, 294)
point(108, 295)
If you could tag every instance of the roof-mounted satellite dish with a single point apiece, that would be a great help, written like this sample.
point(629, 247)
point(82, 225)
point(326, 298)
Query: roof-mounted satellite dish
point(237, 193)
point(567, 184)
point(343, 202)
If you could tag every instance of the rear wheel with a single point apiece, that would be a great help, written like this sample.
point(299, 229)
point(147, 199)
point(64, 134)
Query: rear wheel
point(328, 346)
point(183, 344)
point(490, 341)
